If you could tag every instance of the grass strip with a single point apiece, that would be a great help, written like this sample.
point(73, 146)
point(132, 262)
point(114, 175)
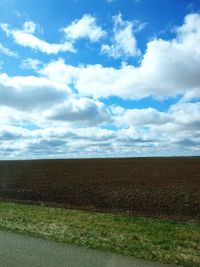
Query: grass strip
point(150, 239)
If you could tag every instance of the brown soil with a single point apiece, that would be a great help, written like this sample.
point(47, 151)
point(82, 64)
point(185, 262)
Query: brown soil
point(163, 187)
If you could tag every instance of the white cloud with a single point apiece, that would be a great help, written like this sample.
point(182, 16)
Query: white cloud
point(6, 51)
point(8, 132)
point(187, 115)
point(140, 117)
point(86, 27)
point(65, 116)
point(5, 28)
point(124, 41)
point(29, 27)
point(54, 141)
point(29, 92)
point(83, 110)
point(60, 72)
point(50, 102)
point(169, 138)
point(168, 68)
point(184, 116)
point(92, 80)
point(148, 132)
point(30, 63)
point(117, 110)
point(26, 38)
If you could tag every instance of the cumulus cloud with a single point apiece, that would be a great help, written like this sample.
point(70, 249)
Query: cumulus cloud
point(54, 141)
point(8, 132)
point(92, 80)
point(158, 75)
point(182, 116)
point(140, 117)
point(146, 132)
point(30, 63)
point(60, 72)
point(26, 38)
point(83, 110)
point(86, 28)
point(187, 115)
point(49, 102)
point(124, 41)
point(29, 92)
point(30, 27)
point(164, 138)
point(63, 102)
point(6, 51)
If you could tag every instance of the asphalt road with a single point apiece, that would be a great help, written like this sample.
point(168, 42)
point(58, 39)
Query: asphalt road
point(24, 251)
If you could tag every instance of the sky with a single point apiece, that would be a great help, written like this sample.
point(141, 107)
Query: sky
point(106, 78)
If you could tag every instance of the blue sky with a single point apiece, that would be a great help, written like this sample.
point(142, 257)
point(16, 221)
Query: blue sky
point(82, 78)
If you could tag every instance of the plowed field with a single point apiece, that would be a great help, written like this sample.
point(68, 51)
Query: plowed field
point(149, 186)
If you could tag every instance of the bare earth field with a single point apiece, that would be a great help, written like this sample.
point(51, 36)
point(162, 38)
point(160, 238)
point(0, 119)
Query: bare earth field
point(164, 187)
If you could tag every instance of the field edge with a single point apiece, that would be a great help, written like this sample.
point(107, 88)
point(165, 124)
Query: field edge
point(126, 235)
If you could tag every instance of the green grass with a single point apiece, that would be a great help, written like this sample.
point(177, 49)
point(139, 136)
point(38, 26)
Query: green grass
point(151, 239)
